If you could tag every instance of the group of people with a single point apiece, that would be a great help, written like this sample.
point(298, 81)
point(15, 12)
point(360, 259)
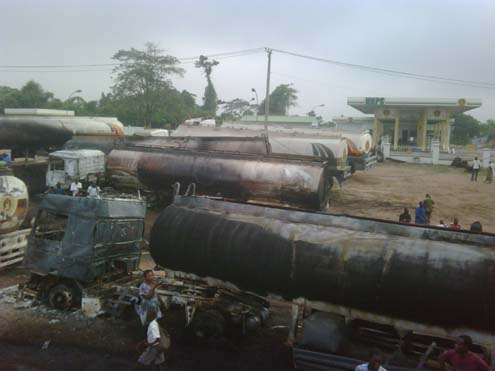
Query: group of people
point(76, 189)
point(475, 169)
point(461, 358)
point(422, 214)
point(424, 211)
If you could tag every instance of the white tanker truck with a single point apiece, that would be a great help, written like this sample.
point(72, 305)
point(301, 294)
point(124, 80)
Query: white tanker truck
point(14, 203)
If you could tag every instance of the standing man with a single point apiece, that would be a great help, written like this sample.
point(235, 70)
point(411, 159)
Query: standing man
point(420, 214)
point(428, 205)
point(75, 187)
point(153, 354)
point(93, 190)
point(461, 358)
point(476, 169)
point(375, 362)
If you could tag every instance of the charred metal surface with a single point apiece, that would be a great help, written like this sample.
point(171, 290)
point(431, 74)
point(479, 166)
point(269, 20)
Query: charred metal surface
point(414, 273)
point(32, 173)
point(31, 133)
point(296, 182)
point(85, 238)
point(102, 143)
point(25, 132)
point(251, 145)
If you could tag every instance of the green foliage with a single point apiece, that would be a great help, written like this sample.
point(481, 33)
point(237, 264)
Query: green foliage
point(210, 98)
point(281, 99)
point(9, 97)
point(235, 109)
point(32, 95)
point(144, 76)
point(466, 128)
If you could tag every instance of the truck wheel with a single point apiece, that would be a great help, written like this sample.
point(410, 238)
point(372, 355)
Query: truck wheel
point(61, 296)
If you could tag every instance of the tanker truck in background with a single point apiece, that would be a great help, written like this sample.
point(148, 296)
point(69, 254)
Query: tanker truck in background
point(14, 204)
point(355, 282)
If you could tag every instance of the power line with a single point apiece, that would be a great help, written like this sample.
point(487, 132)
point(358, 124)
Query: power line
point(246, 52)
point(478, 84)
point(182, 59)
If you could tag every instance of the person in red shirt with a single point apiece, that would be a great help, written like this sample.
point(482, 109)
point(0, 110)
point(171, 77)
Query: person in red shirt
point(461, 358)
point(455, 224)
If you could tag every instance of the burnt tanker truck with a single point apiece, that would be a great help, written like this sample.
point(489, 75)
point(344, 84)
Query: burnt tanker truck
point(298, 181)
point(397, 279)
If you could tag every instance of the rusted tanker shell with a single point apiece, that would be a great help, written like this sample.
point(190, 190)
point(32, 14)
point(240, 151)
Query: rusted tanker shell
point(42, 131)
point(122, 168)
point(251, 145)
point(303, 184)
point(426, 275)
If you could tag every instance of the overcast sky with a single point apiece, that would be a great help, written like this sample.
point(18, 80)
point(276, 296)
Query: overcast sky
point(451, 38)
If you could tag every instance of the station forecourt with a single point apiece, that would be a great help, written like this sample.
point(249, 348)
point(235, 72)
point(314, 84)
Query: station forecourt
point(413, 121)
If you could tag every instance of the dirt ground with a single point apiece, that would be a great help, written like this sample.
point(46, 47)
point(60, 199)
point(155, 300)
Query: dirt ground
point(76, 343)
point(102, 344)
point(386, 189)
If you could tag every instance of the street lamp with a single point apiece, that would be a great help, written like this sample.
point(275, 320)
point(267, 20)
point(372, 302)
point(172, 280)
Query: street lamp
point(74, 92)
point(319, 105)
point(257, 103)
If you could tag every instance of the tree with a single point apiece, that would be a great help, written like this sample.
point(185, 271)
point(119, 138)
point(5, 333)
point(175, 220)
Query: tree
point(32, 95)
point(143, 76)
point(235, 108)
point(9, 97)
point(210, 97)
point(281, 99)
point(466, 128)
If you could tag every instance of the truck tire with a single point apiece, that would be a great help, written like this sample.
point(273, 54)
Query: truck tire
point(62, 296)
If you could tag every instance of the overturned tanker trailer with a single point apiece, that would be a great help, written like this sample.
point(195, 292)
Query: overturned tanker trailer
point(299, 181)
point(397, 279)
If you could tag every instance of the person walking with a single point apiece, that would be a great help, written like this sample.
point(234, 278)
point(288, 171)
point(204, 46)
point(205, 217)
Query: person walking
point(420, 214)
point(489, 172)
point(428, 205)
point(476, 169)
point(153, 354)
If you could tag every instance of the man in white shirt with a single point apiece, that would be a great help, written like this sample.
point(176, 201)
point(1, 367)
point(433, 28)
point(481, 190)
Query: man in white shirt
point(153, 354)
point(93, 190)
point(476, 169)
point(75, 187)
point(375, 361)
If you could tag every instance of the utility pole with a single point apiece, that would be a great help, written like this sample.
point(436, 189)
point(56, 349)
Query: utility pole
point(267, 98)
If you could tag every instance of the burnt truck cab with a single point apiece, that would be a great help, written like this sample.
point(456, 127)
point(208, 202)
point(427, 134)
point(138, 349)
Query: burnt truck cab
point(76, 241)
